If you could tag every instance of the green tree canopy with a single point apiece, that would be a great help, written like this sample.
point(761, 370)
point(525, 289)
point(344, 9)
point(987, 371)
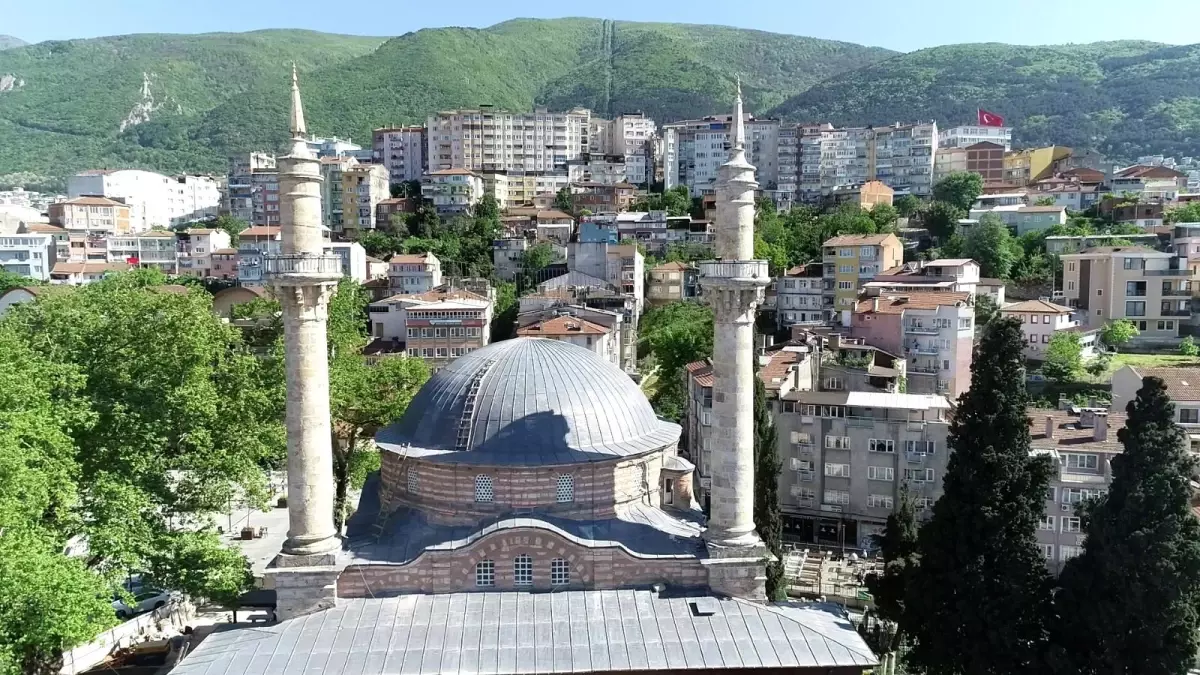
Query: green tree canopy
point(1064, 357)
point(232, 226)
point(907, 206)
point(767, 518)
point(563, 200)
point(979, 601)
point(959, 189)
point(1129, 603)
point(941, 219)
point(990, 244)
point(885, 217)
point(986, 309)
point(1118, 333)
point(676, 202)
point(898, 547)
point(675, 334)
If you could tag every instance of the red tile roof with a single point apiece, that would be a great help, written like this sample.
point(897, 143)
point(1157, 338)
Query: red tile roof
point(563, 325)
point(701, 372)
point(896, 304)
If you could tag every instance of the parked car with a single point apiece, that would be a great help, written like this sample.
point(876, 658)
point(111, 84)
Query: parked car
point(144, 600)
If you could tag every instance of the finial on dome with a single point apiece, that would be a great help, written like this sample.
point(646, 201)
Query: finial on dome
point(298, 129)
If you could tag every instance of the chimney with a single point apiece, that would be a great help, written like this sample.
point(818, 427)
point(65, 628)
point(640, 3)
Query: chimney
point(1100, 432)
point(1049, 427)
point(875, 304)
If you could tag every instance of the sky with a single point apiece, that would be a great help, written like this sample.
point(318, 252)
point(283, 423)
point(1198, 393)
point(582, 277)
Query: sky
point(902, 25)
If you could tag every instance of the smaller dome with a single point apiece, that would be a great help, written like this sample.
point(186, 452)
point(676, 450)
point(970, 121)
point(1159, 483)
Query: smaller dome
point(528, 402)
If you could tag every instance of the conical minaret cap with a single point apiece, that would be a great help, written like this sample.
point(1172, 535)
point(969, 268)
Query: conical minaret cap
point(738, 141)
point(298, 129)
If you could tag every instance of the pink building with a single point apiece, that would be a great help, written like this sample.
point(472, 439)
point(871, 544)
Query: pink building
point(933, 331)
point(224, 263)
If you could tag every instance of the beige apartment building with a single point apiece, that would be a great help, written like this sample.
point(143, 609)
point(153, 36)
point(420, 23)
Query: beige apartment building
point(1147, 287)
point(488, 139)
point(852, 260)
point(93, 215)
point(670, 282)
point(363, 187)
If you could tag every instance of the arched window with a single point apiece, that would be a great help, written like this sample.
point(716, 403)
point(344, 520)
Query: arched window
point(485, 573)
point(560, 572)
point(564, 489)
point(523, 570)
point(483, 488)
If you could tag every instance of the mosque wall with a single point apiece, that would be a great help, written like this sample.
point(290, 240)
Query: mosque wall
point(455, 571)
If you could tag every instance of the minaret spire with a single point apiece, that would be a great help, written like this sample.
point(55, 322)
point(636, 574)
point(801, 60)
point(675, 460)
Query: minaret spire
point(298, 129)
point(738, 140)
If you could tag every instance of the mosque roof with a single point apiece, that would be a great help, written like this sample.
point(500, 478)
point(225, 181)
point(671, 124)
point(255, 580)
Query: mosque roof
point(528, 402)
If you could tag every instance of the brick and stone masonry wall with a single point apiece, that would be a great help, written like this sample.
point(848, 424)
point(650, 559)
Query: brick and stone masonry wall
point(445, 493)
point(454, 571)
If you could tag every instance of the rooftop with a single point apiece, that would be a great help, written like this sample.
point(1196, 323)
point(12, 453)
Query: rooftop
point(675, 266)
point(948, 262)
point(453, 172)
point(702, 372)
point(1183, 384)
point(88, 267)
point(896, 304)
point(1036, 306)
point(859, 239)
point(522, 632)
point(563, 325)
point(1042, 209)
point(1104, 250)
point(871, 399)
point(261, 231)
point(92, 201)
point(1069, 435)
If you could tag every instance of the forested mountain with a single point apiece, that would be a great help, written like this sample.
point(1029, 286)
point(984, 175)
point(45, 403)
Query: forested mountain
point(184, 102)
point(1121, 98)
point(84, 103)
point(8, 41)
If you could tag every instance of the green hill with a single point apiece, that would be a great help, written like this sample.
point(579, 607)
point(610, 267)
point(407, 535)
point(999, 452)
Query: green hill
point(1121, 98)
point(219, 93)
point(8, 42)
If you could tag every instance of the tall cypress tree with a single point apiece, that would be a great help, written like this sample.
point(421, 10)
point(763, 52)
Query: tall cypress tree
point(1128, 604)
point(979, 600)
point(898, 546)
point(767, 464)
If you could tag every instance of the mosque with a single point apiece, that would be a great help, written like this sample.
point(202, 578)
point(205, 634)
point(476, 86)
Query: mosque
point(531, 513)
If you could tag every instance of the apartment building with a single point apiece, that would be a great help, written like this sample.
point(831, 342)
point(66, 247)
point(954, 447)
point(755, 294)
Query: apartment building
point(29, 255)
point(1081, 448)
point(155, 249)
point(1023, 167)
point(414, 273)
point(392, 206)
point(437, 325)
point(1025, 218)
point(602, 198)
point(59, 235)
point(224, 264)
point(1149, 182)
point(1146, 215)
point(1060, 244)
point(829, 157)
point(80, 273)
point(254, 244)
point(196, 246)
point(1185, 241)
point(590, 300)
point(1040, 320)
point(452, 190)
point(240, 195)
point(508, 255)
point(487, 139)
point(902, 156)
point(865, 195)
point(852, 260)
point(155, 200)
point(800, 297)
point(947, 161)
point(1183, 386)
point(352, 258)
point(1147, 287)
point(577, 331)
point(401, 150)
point(332, 209)
point(959, 275)
point(986, 159)
point(967, 135)
point(848, 455)
point(631, 136)
point(671, 282)
point(933, 331)
point(98, 216)
point(264, 189)
point(622, 266)
point(523, 188)
point(788, 156)
point(693, 150)
point(363, 187)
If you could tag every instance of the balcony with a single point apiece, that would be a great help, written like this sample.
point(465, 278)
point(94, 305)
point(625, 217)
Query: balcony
point(302, 268)
point(920, 330)
point(1167, 273)
point(740, 270)
point(1177, 293)
point(1175, 312)
point(930, 350)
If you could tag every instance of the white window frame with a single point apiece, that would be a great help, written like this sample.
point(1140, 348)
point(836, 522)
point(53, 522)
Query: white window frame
point(836, 497)
point(837, 442)
point(1046, 524)
point(485, 573)
point(523, 570)
point(837, 470)
point(882, 445)
point(1071, 525)
point(560, 572)
point(881, 501)
point(884, 473)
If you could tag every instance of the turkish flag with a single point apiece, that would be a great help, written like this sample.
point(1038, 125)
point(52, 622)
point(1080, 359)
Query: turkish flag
point(990, 119)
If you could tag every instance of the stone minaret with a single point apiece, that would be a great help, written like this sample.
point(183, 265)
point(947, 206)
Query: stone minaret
point(304, 279)
point(733, 285)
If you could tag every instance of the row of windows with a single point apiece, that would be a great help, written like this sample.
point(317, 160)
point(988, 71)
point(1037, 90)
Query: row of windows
point(466, 331)
point(438, 352)
point(1068, 524)
point(882, 473)
point(485, 572)
point(1065, 553)
point(485, 492)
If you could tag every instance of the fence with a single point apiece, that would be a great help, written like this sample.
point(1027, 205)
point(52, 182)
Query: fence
point(170, 618)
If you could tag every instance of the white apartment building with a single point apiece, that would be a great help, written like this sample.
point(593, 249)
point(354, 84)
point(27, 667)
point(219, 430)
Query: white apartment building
point(155, 200)
point(1040, 320)
point(353, 258)
point(631, 136)
point(829, 157)
point(693, 150)
point(1147, 287)
point(622, 266)
point(29, 255)
point(963, 136)
point(487, 139)
point(579, 332)
point(799, 296)
point(453, 190)
point(401, 150)
point(414, 273)
point(903, 157)
point(196, 247)
point(145, 249)
point(80, 273)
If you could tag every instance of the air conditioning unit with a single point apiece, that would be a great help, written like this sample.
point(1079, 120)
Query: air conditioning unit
point(1066, 507)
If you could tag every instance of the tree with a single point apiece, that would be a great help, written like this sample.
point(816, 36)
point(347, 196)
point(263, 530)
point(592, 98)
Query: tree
point(908, 206)
point(1098, 366)
point(1064, 357)
point(1128, 603)
point(1117, 333)
point(535, 259)
point(885, 216)
point(379, 244)
point(676, 202)
point(767, 519)
point(978, 603)
point(11, 280)
point(1187, 347)
point(898, 547)
point(504, 319)
point(1184, 213)
point(941, 219)
point(675, 334)
point(1044, 201)
point(959, 189)
point(986, 309)
point(563, 201)
point(363, 398)
point(990, 244)
point(232, 226)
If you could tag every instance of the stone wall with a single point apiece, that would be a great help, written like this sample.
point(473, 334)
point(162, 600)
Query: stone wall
point(445, 493)
point(454, 571)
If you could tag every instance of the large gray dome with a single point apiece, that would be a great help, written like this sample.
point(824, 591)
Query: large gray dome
point(528, 402)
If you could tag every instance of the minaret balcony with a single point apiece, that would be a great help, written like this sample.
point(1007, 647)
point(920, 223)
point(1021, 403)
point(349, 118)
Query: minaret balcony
point(302, 268)
point(753, 272)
